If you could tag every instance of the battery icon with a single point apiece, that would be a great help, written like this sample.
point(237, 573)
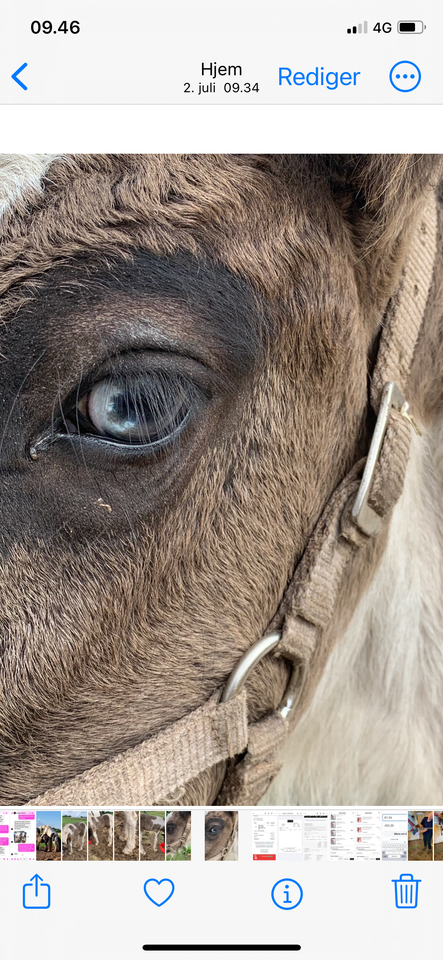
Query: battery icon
point(410, 26)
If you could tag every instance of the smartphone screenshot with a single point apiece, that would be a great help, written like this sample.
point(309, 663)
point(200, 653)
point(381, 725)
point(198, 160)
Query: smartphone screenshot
point(221, 480)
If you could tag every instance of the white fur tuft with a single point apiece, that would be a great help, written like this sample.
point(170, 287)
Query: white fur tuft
point(21, 178)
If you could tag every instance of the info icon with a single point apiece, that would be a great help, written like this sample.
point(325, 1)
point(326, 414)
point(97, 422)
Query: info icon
point(287, 894)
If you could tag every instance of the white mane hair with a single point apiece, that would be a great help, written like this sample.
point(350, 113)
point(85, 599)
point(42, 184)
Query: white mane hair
point(22, 177)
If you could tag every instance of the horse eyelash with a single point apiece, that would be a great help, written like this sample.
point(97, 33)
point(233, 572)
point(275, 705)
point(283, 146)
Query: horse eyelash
point(158, 387)
point(166, 395)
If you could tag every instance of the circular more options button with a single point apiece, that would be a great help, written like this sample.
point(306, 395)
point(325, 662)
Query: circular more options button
point(405, 76)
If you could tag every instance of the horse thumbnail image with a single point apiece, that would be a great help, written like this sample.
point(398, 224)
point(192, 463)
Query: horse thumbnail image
point(438, 834)
point(221, 835)
point(75, 835)
point(20, 836)
point(100, 835)
point(126, 842)
point(420, 834)
point(152, 835)
point(178, 835)
point(48, 841)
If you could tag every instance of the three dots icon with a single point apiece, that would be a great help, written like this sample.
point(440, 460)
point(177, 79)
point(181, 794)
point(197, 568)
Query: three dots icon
point(405, 76)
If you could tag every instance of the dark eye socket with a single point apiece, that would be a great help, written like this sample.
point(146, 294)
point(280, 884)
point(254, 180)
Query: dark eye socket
point(170, 828)
point(140, 412)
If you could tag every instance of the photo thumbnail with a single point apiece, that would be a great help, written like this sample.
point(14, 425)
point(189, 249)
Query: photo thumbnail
point(178, 835)
point(74, 835)
point(48, 841)
point(152, 834)
point(438, 835)
point(221, 835)
point(420, 835)
point(100, 835)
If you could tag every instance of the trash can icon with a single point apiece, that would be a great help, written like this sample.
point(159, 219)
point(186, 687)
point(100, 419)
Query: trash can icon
point(406, 892)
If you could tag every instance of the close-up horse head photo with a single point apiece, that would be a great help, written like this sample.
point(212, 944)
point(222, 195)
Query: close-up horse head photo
point(221, 475)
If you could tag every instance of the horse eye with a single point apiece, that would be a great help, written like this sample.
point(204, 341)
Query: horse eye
point(214, 831)
point(143, 412)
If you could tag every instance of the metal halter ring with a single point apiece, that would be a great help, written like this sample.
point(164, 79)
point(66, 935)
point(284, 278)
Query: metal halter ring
point(249, 660)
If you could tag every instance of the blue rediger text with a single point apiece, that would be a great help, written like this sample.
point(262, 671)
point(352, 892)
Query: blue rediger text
point(318, 78)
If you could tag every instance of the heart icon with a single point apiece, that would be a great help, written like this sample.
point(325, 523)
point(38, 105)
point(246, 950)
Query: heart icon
point(156, 896)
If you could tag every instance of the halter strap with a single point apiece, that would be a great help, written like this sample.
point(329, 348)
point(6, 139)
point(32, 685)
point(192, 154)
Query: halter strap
point(157, 770)
point(154, 769)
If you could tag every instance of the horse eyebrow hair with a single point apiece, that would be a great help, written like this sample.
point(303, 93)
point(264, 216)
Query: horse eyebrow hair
point(209, 290)
point(222, 307)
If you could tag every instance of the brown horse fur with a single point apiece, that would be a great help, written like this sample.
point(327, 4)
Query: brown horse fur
point(142, 579)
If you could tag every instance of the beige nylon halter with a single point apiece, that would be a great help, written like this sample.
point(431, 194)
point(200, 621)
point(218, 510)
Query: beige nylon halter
point(157, 770)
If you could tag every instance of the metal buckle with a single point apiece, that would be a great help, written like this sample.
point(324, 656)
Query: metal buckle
point(249, 660)
point(364, 517)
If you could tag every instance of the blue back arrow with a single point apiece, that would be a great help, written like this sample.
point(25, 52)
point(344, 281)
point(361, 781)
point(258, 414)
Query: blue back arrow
point(15, 76)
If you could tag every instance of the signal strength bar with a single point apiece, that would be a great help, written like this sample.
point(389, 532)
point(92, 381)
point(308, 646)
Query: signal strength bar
point(359, 28)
